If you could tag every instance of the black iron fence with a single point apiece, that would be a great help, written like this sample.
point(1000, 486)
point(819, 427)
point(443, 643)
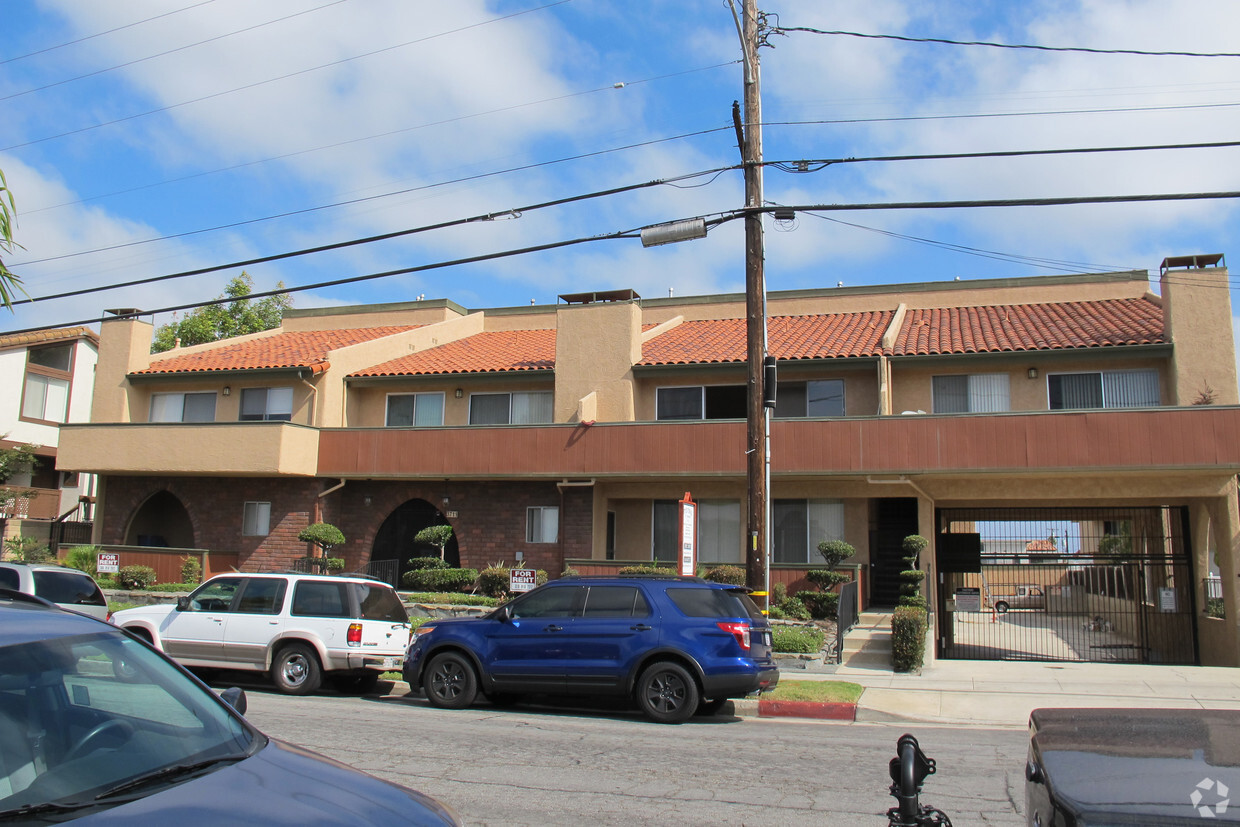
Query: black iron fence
point(846, 615)
point(1068, 585)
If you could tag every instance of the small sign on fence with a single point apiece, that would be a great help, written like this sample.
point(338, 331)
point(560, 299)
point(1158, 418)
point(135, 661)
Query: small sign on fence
point(108, 562)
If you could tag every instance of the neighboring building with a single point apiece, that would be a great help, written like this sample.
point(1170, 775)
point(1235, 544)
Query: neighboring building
point(46, 379)
point(563, 436)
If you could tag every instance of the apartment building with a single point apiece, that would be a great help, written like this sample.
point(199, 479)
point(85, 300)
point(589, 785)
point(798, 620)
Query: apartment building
point(1089, 422)
point(47, 378)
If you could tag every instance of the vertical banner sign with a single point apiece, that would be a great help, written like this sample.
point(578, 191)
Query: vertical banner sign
point(688, 536)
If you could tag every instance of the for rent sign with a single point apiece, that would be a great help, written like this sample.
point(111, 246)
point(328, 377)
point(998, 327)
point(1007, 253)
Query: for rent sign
point(522, 580)
point(108, 562)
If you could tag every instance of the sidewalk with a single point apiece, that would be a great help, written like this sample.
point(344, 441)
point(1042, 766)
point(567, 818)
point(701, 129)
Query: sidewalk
point(1002, 693)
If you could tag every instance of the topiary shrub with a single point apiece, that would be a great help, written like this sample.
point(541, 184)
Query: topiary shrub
point(416, 563)
point(83, 558)
point(436, 535)
point(908, 638)
point(135, 577)
point(825, 579)
point(910, 579)
point(324, 535)
point(792, 608)
point(799, 640)
point(821, 605)
point(323, 564)
point(731, 575)
point(439, 580)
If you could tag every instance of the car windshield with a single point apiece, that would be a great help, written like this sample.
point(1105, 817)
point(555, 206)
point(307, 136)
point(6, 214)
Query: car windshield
point(81, 716)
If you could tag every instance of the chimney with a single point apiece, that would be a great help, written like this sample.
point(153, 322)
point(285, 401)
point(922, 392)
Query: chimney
point(124, 347)
point(598, 340)
point(1197, 321)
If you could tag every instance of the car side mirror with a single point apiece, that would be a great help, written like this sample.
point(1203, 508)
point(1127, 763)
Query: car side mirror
point(504, 614)
point(182, 604)
point(234, 696)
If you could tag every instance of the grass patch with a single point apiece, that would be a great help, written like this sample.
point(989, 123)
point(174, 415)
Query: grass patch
point(116, 605)
point(818, 691)
point(451, 598)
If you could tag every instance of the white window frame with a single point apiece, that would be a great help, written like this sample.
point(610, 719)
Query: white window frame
point(43, 392)
point(270, 413)
point(541, 520)
point(164, 400)
point(255, 519)
point(824, 520)
point(984, 392)
point(542, 397)
point(418, 397)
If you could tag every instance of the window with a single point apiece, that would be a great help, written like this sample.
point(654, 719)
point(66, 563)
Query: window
point(818, 397)
point(182, 407)
point(46, 389)
point(216, 596)
point(719, 531)
point(701, 402)
point(800, 525)
point(554, 602)
point(976, 393)
point(259, 404)
point(542, 523)
point(256, 519)
point(414, 410)
point(1107, 389)
point(320, 598)
point(518, 408)
point(615, 601)
point(262, 596)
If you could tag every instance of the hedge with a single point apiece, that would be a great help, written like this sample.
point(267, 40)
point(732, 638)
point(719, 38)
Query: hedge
point(439, 580)
point(805, 640)
point(908, 638)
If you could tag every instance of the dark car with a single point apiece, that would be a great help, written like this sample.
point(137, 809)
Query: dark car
point(96, 724)
point(1167, 767)
point(676, 646)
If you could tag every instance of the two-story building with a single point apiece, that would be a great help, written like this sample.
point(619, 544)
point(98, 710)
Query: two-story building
point(47, 378)
point(1087, 413)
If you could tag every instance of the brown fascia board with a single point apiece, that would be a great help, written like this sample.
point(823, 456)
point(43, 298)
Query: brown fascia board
point(231, 373)
point(1067, 353)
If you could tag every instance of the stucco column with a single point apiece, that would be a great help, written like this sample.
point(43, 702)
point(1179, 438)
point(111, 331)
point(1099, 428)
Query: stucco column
point(1223, 649)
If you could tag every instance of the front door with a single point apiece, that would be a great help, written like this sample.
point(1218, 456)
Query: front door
point(892, 519)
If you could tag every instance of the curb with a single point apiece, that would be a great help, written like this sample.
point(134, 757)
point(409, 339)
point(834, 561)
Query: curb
point(807, 709)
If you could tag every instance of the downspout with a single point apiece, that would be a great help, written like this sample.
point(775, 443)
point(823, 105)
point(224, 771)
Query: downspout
point(318, 502)
point(900, 480)
point(560, 486)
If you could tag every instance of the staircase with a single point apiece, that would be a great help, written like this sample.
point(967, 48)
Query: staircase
point(867, 646)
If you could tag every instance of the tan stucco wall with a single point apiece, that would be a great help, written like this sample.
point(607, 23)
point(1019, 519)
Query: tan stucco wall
point(379, 315)
point(1197, 310)
point(124, 346)
point(234, 448)
point(596, 347)
point(367, 406)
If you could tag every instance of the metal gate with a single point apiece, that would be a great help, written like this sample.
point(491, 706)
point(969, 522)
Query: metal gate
point(1066, 584)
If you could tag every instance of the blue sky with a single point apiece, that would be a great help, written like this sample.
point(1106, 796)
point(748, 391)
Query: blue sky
point(197, 123)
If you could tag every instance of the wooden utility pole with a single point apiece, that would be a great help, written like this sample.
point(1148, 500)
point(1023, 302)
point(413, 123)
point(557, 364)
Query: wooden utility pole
point(757, 575)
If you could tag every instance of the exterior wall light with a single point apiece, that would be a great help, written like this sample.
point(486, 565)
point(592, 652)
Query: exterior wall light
point(459, 393)
point(1032, 373)
point(227, 390)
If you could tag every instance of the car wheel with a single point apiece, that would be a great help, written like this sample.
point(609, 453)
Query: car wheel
point(667, 693)
point(1001, 607)
point(296, 670)
point(450, 682)
point(356, 684)
point(711, 707)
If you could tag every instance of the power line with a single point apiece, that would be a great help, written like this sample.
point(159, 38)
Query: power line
point(510, 213)
point(712, 220)
point(258, 83)
point(136, 61)
point(784, 30)
point(101, 34)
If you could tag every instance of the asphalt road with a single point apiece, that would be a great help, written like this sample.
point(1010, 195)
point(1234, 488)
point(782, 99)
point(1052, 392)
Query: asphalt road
point(546, 766)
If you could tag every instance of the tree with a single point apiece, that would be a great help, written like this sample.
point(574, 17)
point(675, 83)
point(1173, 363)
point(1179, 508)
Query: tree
point(14, 461)
point(223, 321)
point(324, 535)
point(437, 535)
point(10, 283)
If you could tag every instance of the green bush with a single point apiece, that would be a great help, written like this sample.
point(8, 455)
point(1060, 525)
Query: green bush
point(778, 592)
point(731, 575)
point(647, 568)
point(439, 580)
point(418, 563)
point(570, 572)
point(793, 608)
point(452, 598)
point(323, 535)
point(915, 600)
point(83, 558)
point(826, 579)
point(27, 550)
point(494, 580)
point(173, 587)
point(1214, 607)
point(191, 570)
point(806, 640)
point(835, 552)
point(135, 577)
point(908, 638)
point(324, 564)
point(821, 605)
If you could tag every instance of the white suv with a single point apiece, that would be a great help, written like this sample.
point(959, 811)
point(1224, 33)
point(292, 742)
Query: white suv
point(67, 588)
point(297, 627)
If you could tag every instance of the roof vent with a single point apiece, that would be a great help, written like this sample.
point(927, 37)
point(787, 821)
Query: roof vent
point(1197, 262)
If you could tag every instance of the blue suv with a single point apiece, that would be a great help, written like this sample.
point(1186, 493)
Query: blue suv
point(677, 646)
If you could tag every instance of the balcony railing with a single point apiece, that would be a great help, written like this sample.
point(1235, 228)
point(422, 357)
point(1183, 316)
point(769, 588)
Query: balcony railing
point(19, 503)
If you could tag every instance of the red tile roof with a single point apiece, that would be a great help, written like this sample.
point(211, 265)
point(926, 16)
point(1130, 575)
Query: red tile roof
point(42, 337)
point(501, 350)
point(788, 337)
point(295, 349)
point(1063, 325)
